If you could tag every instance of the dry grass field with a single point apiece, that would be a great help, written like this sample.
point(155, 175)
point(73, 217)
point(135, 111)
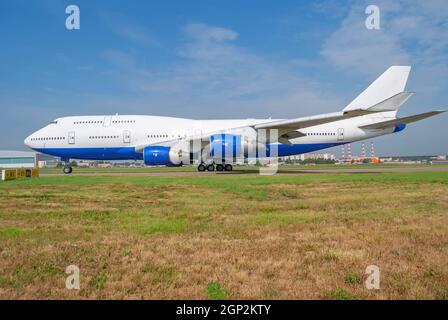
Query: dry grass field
point(227, 236)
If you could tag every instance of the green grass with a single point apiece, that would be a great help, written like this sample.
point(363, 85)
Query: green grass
point(283, 236)
point(216, 292)
point(11, 233)
point(157, 225)
point(352, 277)
point(243, 168)
point(99, 280)
point(342, 294)
point(227, 181)
point(329, 257)
point(161, 275)
point(285, 218)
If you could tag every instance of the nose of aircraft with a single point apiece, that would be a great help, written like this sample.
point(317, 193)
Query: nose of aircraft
point(27, 141)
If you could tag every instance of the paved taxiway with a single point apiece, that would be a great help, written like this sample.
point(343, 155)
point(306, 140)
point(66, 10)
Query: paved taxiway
point(252, 171)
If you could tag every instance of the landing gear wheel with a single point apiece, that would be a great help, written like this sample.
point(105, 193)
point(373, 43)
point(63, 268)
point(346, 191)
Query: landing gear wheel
point(201, 167)
point(228, 167)
point(210, 167)
point(219, 167)
point(67, 170)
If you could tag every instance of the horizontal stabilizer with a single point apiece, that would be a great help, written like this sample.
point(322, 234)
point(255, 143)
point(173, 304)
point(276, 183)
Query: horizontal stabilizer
point(391, 104)
point(405, 120)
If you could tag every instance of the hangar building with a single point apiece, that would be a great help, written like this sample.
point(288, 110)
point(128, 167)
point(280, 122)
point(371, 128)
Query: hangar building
point(17, 159)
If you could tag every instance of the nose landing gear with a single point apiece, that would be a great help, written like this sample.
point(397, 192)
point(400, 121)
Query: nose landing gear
point(67, 169)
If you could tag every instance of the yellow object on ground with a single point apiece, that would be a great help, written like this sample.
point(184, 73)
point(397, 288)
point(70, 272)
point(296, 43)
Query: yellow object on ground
point(35, 172)
point(9, 174)
point(21, 173)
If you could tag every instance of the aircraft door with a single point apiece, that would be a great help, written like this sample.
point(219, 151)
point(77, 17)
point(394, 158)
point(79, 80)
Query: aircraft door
point(340, 134)
point(71, 137)
point(107, 121)
point(127, 136)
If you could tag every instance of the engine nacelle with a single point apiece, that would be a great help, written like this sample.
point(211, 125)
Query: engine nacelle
point(162, 156)
point(226, 146)
point(253, 148)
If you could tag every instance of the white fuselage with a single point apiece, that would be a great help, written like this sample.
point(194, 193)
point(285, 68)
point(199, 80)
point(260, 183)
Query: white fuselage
point(116, 137)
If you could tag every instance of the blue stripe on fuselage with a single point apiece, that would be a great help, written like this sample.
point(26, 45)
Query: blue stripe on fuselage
point(128, 153)
point(121, 153)
point(289, 150)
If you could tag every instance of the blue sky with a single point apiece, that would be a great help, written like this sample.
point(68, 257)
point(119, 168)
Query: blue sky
point(218, 59)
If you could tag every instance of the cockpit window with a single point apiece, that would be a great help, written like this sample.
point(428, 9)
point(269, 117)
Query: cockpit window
point(54, 122)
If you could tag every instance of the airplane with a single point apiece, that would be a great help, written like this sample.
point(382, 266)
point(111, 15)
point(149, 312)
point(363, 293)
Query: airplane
point(218, 144)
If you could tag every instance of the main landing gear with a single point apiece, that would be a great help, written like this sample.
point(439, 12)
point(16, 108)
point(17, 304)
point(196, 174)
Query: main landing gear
point(67, 169)
point(211, 167)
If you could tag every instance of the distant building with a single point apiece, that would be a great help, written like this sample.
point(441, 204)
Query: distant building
point(440, 159)
point(17, 159)
point(325, 156)
point(104, 165)
point(46, 161)
point(313, 156)
point(84, 164)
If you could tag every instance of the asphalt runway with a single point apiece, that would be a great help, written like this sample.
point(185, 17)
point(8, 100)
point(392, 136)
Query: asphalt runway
point(253, 171)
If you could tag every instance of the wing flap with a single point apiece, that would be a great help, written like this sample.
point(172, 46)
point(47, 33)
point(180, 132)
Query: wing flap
point(287, 136)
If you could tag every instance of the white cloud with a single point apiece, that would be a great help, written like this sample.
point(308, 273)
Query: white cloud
point(124, 28)
point(412, 32)
point(217, 75)
point(353, 47)
point(206, 33)
point(135, 34)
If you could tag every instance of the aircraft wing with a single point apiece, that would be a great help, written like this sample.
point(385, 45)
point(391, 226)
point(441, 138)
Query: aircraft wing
point(405, 120)
point(287, 129)
point(390, 104)
point(304, 122)
point(290, 129)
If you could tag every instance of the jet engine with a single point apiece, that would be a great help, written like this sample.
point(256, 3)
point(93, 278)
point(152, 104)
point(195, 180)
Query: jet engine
point(228, 147)
point(225, 146)
point(164, 156)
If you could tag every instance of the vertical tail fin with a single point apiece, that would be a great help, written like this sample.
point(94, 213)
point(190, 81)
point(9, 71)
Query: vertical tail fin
point(389, 84)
